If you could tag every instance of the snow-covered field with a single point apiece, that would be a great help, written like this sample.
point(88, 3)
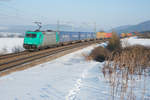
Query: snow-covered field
point(67, 78)
point(8, 44)
point(135, 41)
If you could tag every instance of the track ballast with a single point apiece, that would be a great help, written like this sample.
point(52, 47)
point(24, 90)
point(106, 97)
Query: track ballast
point(11, 61)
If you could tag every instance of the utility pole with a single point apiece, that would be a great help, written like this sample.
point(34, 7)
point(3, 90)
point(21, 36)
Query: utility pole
point(72, 27)
point(95, 27)
point(58, 23)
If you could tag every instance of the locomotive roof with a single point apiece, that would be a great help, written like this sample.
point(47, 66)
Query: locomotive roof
point(42, 31)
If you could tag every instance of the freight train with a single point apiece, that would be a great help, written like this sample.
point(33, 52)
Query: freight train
point(123, 35)
point(36, 40)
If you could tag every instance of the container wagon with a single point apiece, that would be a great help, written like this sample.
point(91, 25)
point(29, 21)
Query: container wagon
point(123, 35)
point(100, 35)
point(129, 34)
point(108, 35)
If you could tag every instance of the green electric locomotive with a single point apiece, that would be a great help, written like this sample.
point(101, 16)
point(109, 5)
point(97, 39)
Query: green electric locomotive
point(34, 40)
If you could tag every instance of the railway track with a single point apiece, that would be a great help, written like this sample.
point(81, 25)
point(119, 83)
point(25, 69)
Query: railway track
point(12, 55)
point(22, 58)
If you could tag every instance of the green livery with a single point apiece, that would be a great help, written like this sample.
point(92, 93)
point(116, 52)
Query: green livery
point(33, 38)
point(37, 40)
point(57, 37)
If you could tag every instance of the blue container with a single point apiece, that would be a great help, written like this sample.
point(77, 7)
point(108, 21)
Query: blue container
point(83, 35)
point(93, 35)
point(75, 36)
point(88, 35)
point(64, 36)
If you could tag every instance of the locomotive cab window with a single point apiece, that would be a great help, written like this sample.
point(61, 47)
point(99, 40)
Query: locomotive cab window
point(31, 35)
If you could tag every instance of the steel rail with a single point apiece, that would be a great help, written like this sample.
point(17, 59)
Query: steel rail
point(20, 61)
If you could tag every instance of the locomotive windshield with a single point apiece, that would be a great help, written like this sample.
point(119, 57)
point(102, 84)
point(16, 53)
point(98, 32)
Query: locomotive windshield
point(31, 35)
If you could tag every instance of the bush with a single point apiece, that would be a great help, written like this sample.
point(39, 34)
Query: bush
point(114, 42)
point(123, 66)
point(127, 66)
point(145, 34)
point(99, 54)
point(132, 58)
point(135, 58)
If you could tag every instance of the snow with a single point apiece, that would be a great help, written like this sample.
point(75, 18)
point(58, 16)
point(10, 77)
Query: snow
point(135, 41)
point(102, 44)
point(70, 77)
point(8, 44)
point(60, 79)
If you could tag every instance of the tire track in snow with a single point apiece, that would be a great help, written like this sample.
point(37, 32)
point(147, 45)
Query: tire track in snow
point(74, 91)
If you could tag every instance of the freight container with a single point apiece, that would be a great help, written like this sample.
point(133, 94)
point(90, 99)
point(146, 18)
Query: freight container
point(108, 35)
point(100, 35)
point(88, 35)
point(74, 36)
point(129, 34)
point(64, 36)
point(93, 35)
point(104, 35)
point(82, 35)
point(123, 35)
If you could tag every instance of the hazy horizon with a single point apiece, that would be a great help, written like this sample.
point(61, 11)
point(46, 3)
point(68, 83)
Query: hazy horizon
point(106, 13)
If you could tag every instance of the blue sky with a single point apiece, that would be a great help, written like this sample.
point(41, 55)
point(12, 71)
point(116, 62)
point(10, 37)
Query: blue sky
point(106, 13)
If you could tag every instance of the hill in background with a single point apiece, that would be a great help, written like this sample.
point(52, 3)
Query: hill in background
point(8, 30)
point(144, 26)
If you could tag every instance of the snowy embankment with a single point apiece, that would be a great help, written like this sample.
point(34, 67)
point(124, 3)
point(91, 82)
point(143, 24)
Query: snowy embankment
point(7, 45)
point(135, 41)
point(67, 78)
point(60, 79)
